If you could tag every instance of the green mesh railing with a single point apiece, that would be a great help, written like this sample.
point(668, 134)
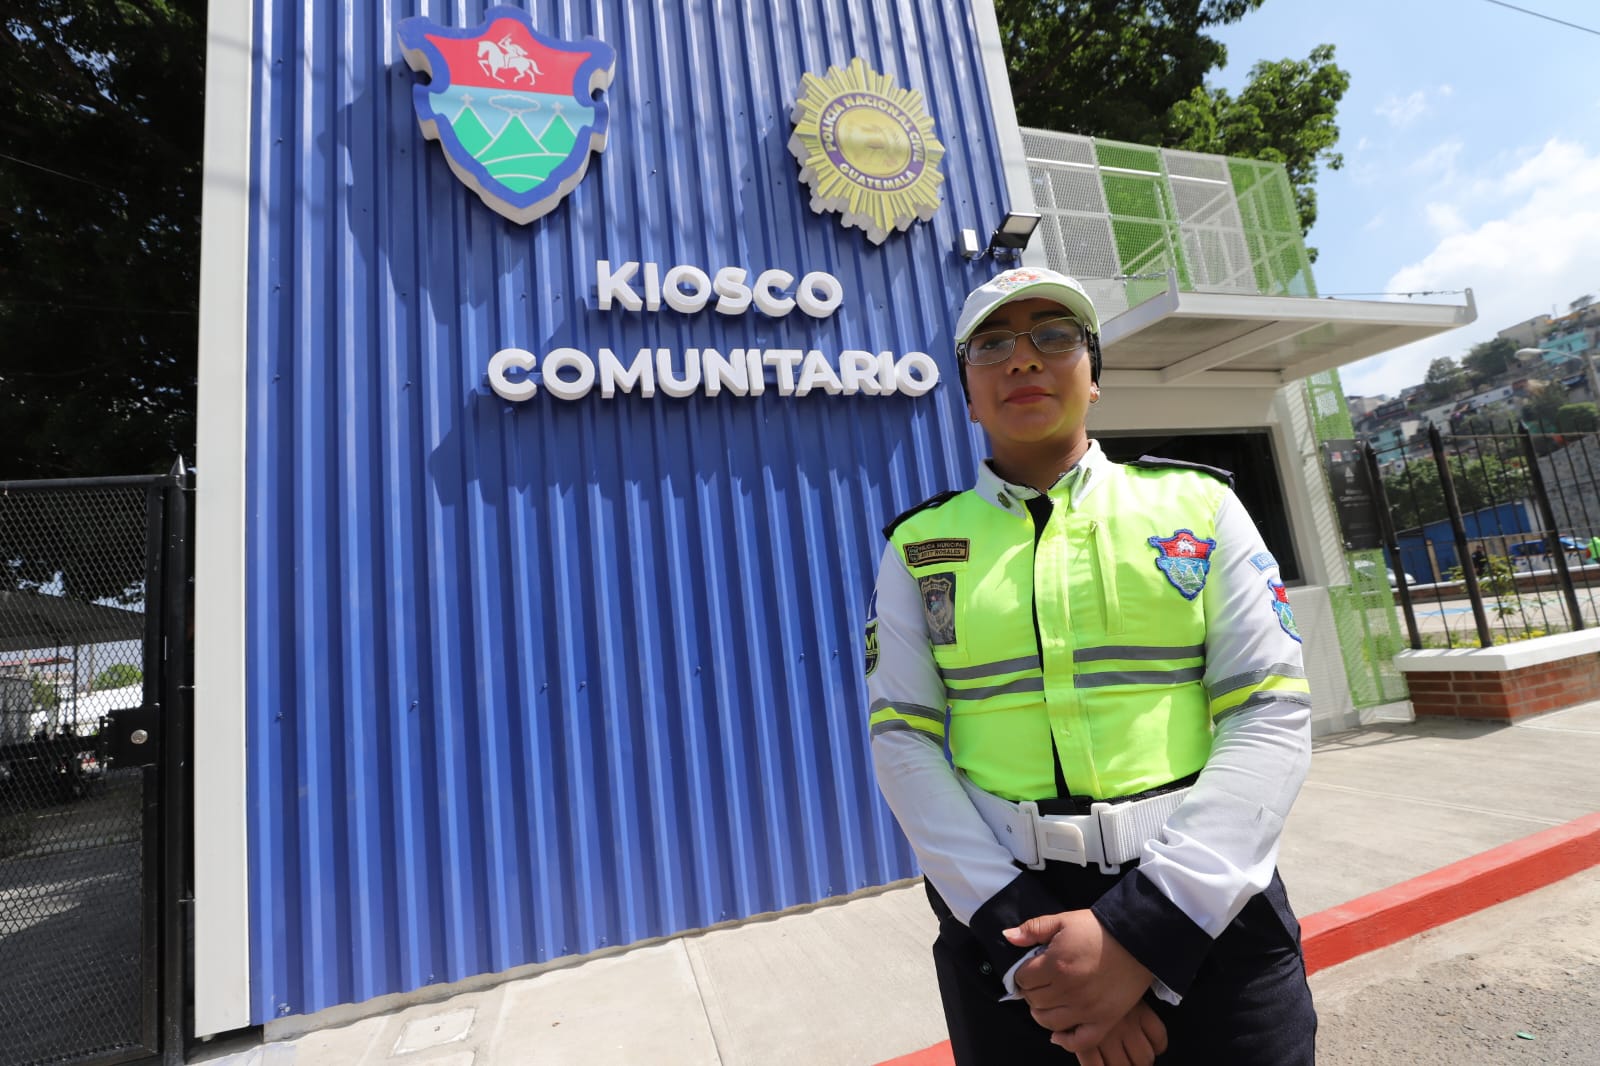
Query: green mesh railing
point(1144, 219)
point(1272, 227)
point(1363, 611)
point(1223, 225)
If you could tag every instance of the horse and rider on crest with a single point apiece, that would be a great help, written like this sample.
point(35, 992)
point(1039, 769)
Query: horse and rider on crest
point(496, 57)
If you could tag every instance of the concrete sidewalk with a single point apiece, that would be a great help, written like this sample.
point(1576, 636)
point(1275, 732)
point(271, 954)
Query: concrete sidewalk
point(852, 984)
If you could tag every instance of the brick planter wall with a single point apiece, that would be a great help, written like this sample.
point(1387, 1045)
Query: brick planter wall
point(1507, 681)
point(1506, 694)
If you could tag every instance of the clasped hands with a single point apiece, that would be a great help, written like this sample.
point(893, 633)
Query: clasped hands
point(1088, 991)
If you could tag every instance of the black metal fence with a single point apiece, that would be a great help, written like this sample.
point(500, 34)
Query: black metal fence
point(1492, 538)
point(87, 588)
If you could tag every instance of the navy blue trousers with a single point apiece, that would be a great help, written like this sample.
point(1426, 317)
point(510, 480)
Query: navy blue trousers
point(1249, 1004)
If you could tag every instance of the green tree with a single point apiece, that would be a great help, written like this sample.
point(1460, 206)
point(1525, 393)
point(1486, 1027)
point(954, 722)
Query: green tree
point(100, 137)
point(1577, 418)
point(1444, 378)
point(119, 675)
point(45, 695)
point(1285, 114)
point(1416, 495)
point(1494, 424)
point(1487, 361)
point(1135, 70)
point(1543, 408)
point(1111, 68)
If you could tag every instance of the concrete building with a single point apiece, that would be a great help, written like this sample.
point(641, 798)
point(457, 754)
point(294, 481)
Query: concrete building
point(1527, 333)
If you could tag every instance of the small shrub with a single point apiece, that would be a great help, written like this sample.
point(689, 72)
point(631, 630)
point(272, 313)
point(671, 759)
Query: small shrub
point(119, 675)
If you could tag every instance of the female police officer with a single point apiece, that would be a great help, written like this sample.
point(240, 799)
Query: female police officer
point(1128, 726)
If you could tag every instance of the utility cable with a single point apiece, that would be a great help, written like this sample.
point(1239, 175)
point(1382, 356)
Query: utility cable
point(1547, 18)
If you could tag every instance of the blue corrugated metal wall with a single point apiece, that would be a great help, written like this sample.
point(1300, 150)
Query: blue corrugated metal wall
point(531, 680)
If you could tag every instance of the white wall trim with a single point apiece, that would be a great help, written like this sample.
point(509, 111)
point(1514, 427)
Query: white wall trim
point(221, 874)
point(1501, 658)
point(1008, 134)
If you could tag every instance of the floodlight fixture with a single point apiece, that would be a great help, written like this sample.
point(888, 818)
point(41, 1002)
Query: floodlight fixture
point(1013, 233)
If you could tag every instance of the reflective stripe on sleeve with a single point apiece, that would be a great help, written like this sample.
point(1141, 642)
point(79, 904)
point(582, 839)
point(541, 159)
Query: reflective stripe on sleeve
point(1271, 686)
point(887, 715)
point(1257, 698)
point(1251, 678)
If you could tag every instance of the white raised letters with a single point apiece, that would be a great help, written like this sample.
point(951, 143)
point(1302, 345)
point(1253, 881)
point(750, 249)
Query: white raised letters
point(687, 289)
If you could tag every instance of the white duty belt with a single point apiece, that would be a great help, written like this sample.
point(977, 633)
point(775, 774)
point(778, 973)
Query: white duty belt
point(1109, 835)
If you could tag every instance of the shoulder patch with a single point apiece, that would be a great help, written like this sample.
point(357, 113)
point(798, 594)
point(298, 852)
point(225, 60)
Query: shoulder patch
point(1280, 604)
point(936, 500)
point(943, 550)
point(1263, 561)
point(1185, 559)
point(1156, 462)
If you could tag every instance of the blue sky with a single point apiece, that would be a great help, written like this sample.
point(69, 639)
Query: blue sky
point(1471, 137)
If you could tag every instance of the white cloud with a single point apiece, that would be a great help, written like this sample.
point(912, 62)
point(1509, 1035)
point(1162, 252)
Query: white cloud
point(1440, 160)
point(1445, 218)
point(1402, 111)
point(1541, 249)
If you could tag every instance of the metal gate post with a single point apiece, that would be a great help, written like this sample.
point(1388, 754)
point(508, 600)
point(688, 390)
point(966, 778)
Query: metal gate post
point(1380, 500)
point(1547, 515)
point(1452, 507)
point(177, 893)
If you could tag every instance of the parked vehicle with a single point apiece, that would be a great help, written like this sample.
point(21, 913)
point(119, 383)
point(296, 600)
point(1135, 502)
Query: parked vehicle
point(46, 754)
point(1367, 567)
point(1528, 548)
point(57, 768)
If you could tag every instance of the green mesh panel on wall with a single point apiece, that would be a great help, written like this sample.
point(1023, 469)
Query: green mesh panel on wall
point(1112, 209)
point(1127, 156)
point(1144, 220)
point(1272, 228)
point(1363, 612)
point(1369, 636)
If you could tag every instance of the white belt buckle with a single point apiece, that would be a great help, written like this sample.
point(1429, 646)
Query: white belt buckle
point(1061, 841)
point(1099, 811)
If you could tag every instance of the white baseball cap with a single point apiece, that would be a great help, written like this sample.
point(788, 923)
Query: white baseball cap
point(1025, 283)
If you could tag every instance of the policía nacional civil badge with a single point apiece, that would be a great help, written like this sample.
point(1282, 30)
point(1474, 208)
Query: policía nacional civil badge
point(1185, 559)
point(517, 113)
point(867, 149)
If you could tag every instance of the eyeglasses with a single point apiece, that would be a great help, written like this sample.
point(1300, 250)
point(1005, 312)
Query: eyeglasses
point(1055, 336)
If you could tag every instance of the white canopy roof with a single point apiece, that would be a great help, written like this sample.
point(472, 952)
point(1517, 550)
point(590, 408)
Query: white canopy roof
point(1233, 340)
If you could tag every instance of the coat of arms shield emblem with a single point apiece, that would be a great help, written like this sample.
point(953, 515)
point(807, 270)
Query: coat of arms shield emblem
point(517, 113)
point(1185, 559)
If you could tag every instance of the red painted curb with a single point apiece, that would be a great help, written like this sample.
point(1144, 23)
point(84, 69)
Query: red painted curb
point(937, 1055)
point(1340, 933)
point(1390, 915)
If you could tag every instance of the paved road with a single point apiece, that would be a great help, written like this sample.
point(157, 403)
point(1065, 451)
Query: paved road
point(1545, 610)
point(70, 952)
point(1459, 995)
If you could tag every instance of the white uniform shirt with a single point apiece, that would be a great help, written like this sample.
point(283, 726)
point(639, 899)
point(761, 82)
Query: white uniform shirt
point(1219, 847)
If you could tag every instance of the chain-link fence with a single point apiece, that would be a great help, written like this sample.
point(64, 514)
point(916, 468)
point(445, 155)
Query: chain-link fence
point(76, 943)
point(1494, 537)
